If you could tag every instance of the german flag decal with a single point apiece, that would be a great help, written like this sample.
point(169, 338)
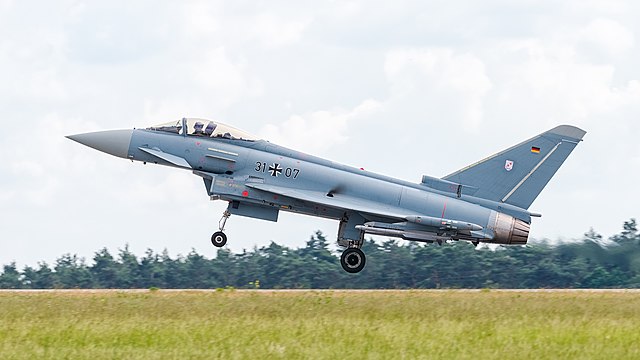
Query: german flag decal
point(535, 149)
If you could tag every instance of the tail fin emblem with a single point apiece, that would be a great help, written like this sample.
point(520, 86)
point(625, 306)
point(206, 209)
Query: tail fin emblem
point(508, 165)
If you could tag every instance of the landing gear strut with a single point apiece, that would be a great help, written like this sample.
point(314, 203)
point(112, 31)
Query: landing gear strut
point(219, 239)
point(353, 260)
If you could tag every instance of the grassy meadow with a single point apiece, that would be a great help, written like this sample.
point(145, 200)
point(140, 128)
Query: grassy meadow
point(319, 324)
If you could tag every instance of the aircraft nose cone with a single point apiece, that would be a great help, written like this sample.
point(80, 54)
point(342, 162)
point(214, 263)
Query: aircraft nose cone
point(114, 142)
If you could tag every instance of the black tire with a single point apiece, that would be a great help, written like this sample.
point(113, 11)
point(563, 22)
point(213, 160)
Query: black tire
point(353, 260)
point(218, 239)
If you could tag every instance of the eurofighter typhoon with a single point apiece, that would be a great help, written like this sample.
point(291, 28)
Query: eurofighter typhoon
point(485, 202)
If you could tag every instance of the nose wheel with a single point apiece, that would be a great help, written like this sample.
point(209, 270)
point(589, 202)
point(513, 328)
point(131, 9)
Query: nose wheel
point(219, 239)
point(353, 260)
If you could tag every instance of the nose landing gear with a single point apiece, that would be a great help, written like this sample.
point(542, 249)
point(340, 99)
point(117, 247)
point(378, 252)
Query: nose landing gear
point(219, 239)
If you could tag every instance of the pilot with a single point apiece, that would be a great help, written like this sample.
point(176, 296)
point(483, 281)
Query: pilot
point(209, 129)
point(198, 129)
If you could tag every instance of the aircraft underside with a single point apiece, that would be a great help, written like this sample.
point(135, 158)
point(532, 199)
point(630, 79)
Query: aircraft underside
point(353, 226)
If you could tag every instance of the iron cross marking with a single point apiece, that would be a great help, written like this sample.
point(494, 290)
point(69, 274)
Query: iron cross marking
point(275, 169)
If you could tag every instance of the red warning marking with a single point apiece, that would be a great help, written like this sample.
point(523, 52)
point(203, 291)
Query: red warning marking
point(444, 209)
point(245, 193)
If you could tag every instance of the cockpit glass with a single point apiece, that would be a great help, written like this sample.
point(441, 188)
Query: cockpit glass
point(171, 127)
point(204, 128)
point(214, 129)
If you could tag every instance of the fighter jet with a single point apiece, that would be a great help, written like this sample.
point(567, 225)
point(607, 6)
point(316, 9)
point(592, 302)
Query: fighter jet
point(485, 202)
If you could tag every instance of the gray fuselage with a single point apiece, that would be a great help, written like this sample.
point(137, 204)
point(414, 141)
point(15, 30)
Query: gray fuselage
point(229, 165)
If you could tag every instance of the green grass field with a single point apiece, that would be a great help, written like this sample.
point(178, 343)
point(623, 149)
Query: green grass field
point(320, 324)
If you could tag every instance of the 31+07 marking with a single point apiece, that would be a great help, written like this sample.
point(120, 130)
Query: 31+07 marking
point(275, 169)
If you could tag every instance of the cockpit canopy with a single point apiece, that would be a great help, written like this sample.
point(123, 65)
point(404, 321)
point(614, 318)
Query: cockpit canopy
point(204, 128)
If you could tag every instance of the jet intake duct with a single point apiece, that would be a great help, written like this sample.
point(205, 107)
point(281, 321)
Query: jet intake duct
point(509, 230)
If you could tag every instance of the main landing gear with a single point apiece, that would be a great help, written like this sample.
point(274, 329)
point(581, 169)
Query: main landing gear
point(353, 260)
point(219, 239)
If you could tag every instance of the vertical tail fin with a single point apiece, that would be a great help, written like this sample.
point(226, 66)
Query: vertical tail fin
point(518, 174)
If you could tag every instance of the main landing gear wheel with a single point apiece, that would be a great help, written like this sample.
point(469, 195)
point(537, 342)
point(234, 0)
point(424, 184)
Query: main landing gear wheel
point(218, 239)
point(353, 260)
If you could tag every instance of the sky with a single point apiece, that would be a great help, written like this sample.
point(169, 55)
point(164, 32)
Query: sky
point(402, 88)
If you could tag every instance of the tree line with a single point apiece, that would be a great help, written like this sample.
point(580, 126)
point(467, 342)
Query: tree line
point(590, 262)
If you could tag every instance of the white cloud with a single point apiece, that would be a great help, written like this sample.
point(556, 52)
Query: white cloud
point(201, 18)
point(601, 6)
point(202, 85)
point(30, 65)
point(551, 83)
point(318, 131)
point(460, 77)
point(212, 22)
point(273, 31)
point(6, 4)
point(346, 9)
point(37, 163)
point(169, 187)
point(226, 80)
point(608, 35)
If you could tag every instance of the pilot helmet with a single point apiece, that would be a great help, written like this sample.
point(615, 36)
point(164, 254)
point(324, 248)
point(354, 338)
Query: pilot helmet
point(210, 127)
